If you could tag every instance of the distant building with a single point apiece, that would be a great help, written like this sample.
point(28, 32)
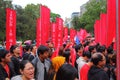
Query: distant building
point(82, 9)
point(67, 22)
point(75, 14)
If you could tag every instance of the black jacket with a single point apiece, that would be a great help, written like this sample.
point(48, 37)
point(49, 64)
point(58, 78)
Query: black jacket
point(3, 73)
point(96, 73)
point(16, 64)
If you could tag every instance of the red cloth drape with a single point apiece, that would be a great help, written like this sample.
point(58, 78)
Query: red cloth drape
point(103, 26)
point(38, 32)
point(111, 21)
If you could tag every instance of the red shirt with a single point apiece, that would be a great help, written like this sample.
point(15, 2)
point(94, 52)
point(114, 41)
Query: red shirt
point(7, 70)
point(84, 72)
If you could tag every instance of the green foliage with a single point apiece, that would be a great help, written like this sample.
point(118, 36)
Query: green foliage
point(26, 20)
point(3, 6)
point(53, 16)
point(93, 11)
point(76, 22)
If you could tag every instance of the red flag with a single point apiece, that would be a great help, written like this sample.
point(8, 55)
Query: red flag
point(38, 32)
point(65, 34)
point(55, 53)
point(54, 35)
point(98, 31)
point(72, 35)
point(45, 23)
point(73, 56)
point(10, 27)
point(82, 34)
point(111, 21)
point(59, 22)
point(103, 26)
point(95, 29)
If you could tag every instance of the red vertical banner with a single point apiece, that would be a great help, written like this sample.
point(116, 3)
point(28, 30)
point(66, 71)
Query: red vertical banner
point(45, 23)
point(82, 34)
point(85, 34)
point(98, 31)
point(65, 34)
point(111, 21)
point(59, 22)
point(73, 56)
point(95, 31)
point(53, 33)
point(103, 26)
point(10, 27)
point(72, 35)
point(48, 22)
point(38, 32)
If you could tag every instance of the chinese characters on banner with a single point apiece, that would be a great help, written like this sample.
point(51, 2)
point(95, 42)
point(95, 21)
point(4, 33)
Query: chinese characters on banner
point(10, 27)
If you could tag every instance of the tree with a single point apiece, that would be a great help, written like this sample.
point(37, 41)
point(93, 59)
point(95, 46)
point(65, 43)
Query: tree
point(93, 10)
point(3, 6)
point(76, 22)
point(53, 16)
point(26, 21)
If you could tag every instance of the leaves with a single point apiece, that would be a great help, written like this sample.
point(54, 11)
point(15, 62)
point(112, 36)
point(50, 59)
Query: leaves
point(26, 20)
point(3, 6)
point(93, 10)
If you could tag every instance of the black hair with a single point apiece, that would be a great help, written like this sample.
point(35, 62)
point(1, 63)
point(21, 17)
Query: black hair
point(101, 49)
point(42, 49)
point(91, 48)
point(12, 48)
point(87, 54)
point(86, 44)
point(66, 54)
point(113, 58)
point(96, 57)
point(27, 47)
point(64, 45)
point(78, 47)
point(23, 63)
point(31, 47)
point(66, 72)
point(60, 52)
point(110, 50)
point(3, 53)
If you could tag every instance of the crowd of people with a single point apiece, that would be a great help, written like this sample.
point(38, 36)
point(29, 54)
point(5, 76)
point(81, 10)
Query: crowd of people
point(92, 61)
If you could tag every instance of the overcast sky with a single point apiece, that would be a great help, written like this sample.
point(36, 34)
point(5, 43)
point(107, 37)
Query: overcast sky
point(62, 7)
